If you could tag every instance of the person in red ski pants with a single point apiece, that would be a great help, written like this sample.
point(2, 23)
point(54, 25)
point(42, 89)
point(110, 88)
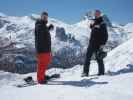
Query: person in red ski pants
point(43, 46)
point(44, 60)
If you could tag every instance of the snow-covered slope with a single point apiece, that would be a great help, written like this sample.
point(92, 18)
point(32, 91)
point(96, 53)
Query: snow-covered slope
point(121, 56)
point(72, 86)
point(116, 84)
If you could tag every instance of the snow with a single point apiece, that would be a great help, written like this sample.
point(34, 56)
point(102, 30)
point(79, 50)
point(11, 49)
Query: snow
point(22, 28)
point(122, 55)
point(2, 15)
point(116, 84)
point(129, 27)
point(71, 86)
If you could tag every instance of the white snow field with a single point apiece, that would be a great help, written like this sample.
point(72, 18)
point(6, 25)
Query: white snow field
point(116, 84)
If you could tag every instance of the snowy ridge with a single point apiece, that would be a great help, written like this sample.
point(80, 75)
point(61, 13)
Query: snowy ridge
point(121, 56)
point(2, 15)
point(22, 28)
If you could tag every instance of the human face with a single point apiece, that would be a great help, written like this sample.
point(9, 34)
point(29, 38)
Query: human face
point(44, 17)
point(97, 14)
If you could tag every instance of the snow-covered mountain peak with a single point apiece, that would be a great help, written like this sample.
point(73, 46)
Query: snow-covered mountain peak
point(2, 15)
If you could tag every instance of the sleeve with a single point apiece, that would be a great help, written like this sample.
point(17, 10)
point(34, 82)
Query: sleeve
point(105, 33)
point(38, 27)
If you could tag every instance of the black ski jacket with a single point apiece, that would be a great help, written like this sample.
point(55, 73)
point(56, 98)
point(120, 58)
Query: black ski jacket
point(99, 34)
point(42, 37)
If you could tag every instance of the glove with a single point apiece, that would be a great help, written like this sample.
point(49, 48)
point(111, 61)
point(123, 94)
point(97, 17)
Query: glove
point(51, 27)
point(91, 25)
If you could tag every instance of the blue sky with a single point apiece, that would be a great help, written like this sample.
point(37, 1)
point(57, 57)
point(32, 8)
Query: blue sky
point(70, 11)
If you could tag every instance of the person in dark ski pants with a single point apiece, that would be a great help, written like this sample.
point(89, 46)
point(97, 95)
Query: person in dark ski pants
point(43, 46)
point(98, 39)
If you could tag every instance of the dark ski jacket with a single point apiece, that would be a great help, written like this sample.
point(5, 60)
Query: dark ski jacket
point(99, 34)
point(42, 37)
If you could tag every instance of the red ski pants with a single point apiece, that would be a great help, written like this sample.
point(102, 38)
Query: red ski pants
point(43, 60)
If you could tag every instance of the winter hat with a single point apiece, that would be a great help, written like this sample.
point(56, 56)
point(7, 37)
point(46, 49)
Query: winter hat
point(98, 11)
point(44, 13)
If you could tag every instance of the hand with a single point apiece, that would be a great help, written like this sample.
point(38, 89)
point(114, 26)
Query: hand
point(51, 27)
point(91, 25)
point(102, 47)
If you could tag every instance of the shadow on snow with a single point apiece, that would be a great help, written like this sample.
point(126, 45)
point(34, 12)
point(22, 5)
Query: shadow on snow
point(128, 69)
point(81, 83)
